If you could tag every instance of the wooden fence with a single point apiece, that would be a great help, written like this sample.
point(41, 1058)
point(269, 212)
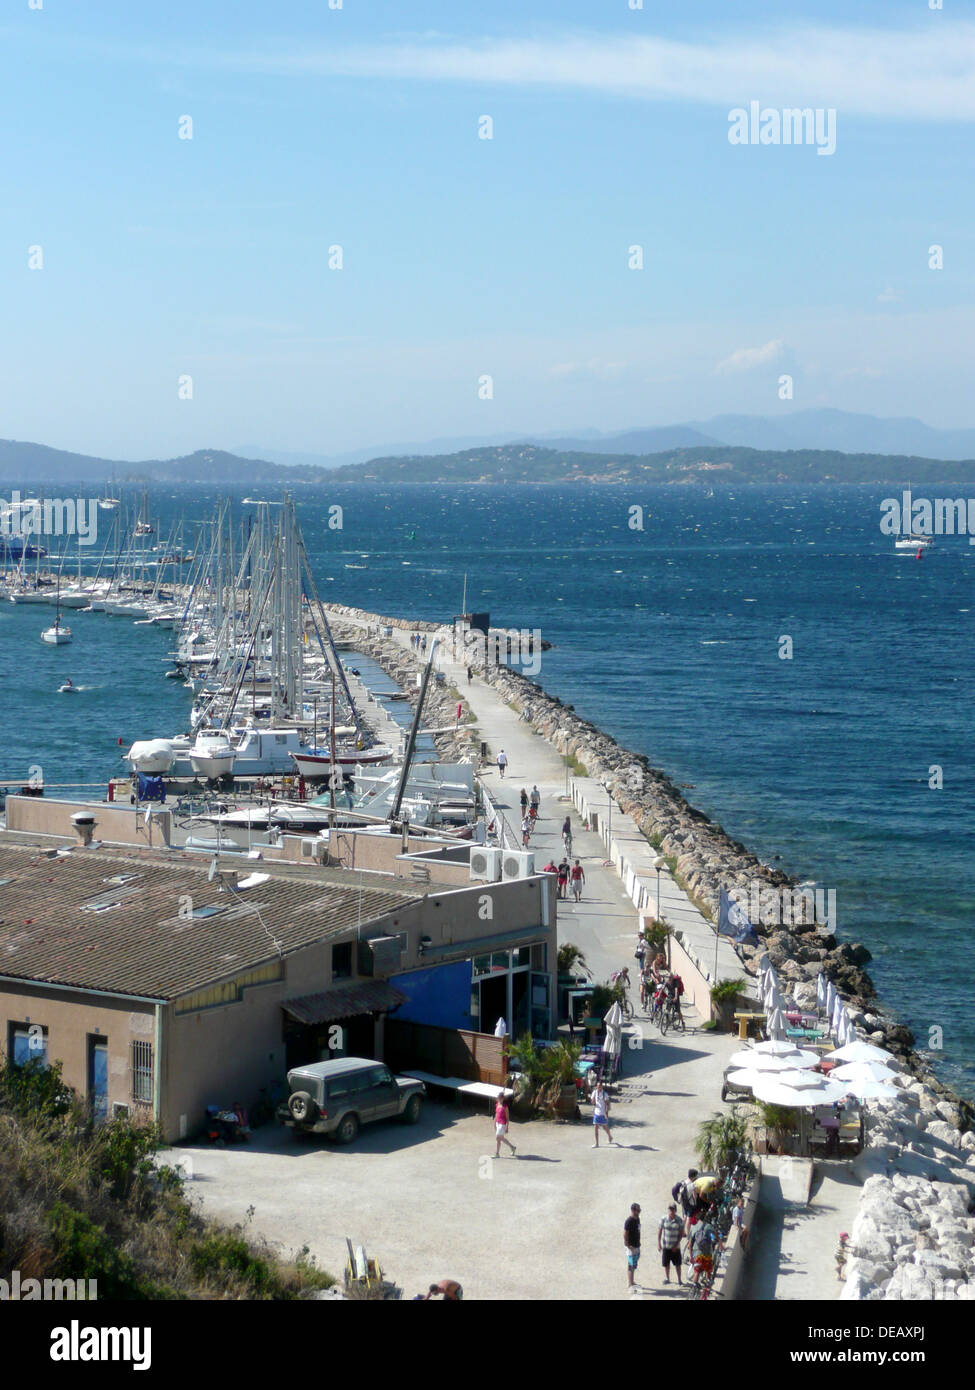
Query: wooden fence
point(445, 1051)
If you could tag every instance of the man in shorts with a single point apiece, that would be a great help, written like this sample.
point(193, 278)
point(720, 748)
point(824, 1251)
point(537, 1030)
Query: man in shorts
point(669, 1234)
point(631, 1240)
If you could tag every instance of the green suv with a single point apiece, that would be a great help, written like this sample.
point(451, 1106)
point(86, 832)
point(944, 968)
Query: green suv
point(338, 1096)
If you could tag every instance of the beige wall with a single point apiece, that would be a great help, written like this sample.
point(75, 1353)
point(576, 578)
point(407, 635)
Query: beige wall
point(39, 815)
point(228, 1053)
point(69, 1018)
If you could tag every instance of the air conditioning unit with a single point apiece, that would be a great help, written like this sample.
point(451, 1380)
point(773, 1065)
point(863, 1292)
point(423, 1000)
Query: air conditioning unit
point(485, 863)
point(517, 864)
point(314, 847)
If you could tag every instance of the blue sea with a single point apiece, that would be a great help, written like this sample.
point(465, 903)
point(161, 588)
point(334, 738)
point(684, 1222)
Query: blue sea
point(670, 638)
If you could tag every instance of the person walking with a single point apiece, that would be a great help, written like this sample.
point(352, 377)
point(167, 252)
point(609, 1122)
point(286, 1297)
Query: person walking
point(501, 1126)
point(578, 879)
point(600, 1114)
point(523, 798)
point(567, 835)
point(470, 674)
point(631, 1242)
point(502, 763)
point(535, 798)
point(563, 873)
point(669, 1234)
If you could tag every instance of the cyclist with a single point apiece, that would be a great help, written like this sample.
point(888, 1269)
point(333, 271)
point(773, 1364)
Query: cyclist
point(704, 1244)
point(673, 988)
point(526, 830)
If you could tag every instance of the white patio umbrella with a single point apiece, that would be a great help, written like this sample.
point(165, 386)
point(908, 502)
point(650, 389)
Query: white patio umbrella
point(848, 1033)
point(775, 1023)
point(837, 1016)
point(794, 1059)
point(820, 991)
point(831, 997)
point(774, 1046)
point(613, 1041)
point(745, 1077)
point(862, 1071)
point(798, 1089)
point(859, 1051)
point(869, 1089)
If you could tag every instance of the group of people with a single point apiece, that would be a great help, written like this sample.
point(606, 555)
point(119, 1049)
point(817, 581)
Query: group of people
point(567, 874)
point(685, 1236)
point(659, 984)
point(418, 642)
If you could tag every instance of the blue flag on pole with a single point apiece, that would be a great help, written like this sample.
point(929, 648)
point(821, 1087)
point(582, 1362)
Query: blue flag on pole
point(733, 920)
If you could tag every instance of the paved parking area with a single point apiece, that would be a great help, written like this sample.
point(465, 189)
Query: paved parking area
point(430, 1202)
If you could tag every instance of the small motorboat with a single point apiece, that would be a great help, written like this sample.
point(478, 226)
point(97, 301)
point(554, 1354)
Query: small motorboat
point(57, 635)
point(67, 689)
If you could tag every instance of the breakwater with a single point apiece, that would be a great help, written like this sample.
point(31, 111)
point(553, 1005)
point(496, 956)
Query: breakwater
point(914, 1233)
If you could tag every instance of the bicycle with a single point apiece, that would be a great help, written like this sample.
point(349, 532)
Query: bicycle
point(671, 1017)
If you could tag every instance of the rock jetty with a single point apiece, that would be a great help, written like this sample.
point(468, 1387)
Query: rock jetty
point(915, 1231)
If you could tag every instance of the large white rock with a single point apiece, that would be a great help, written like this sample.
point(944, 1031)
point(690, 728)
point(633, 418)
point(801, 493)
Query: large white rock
point(947, 1134)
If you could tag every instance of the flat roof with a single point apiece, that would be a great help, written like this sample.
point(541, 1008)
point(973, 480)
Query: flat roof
point(138, 923)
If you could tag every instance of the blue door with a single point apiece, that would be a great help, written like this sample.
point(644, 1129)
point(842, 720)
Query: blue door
point(98, 1076)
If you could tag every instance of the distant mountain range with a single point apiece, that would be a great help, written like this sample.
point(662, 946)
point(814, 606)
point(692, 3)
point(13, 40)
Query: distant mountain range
point(842, 430)
point(809, 446)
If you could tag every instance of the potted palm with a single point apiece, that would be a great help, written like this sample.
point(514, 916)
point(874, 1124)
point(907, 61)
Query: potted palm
point(724, 998)
point(557, 1094)
point(721, 1139)
point(527, 1058)
point(779, 1121)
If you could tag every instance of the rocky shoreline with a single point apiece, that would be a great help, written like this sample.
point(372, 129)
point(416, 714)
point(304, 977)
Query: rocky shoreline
point(914, 1220)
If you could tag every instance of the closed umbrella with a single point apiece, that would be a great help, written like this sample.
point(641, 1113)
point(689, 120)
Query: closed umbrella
point(775, 1023)
point(820, 991)
point(848, 1034)
point(613, 1041)
point(837, 1016)
point(831, 997)
point(860, 1051)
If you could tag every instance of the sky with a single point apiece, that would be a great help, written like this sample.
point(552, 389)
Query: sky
point(485, 285)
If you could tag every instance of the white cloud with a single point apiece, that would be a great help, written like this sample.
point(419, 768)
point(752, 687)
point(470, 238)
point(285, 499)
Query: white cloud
point(927, 72)
point(744, 359)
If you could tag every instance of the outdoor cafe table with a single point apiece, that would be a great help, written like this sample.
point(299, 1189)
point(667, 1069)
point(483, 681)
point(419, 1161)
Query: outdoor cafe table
point(743, 1020)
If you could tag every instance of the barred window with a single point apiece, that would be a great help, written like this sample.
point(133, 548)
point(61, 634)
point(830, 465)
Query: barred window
point(142, 1088)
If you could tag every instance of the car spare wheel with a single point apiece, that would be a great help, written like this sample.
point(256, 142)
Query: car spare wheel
point(302, 1107)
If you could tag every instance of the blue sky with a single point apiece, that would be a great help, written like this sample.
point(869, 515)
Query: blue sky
point(464, 257)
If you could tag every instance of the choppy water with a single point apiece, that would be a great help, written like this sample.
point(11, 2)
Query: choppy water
point(669, 639)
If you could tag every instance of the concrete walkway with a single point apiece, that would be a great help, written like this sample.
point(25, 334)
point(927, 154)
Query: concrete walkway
point(794, 1241)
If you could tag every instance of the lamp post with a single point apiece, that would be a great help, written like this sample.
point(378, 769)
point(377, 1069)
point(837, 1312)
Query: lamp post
point(658, 864)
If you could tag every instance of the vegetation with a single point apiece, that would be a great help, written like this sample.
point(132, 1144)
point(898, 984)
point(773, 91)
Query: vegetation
point(544, 1071)
point(604, 996)
point(94, 1201)
point(655, 934)
point(571, 959)
point(726, 990)
point(778, 1120)
point(720, 1139)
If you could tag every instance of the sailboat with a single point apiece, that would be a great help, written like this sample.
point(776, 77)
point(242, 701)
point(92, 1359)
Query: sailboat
point(57, 635)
